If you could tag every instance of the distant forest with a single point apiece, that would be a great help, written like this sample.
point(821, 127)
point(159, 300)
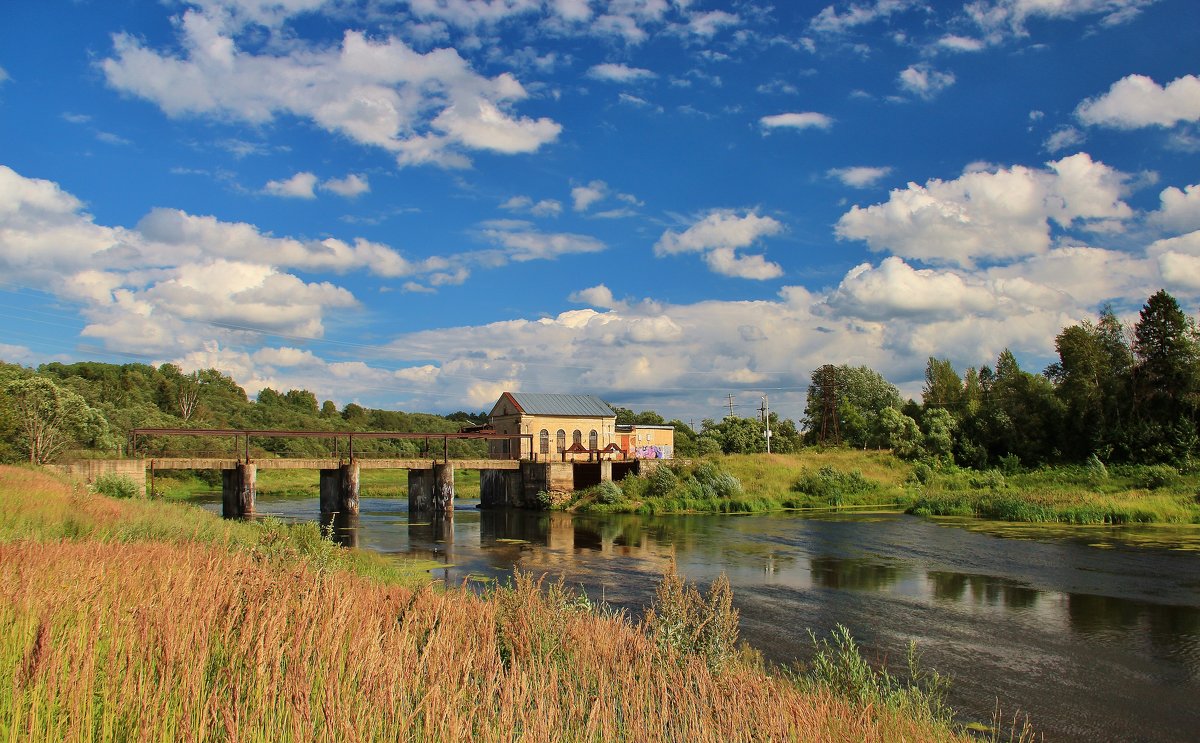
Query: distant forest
point(1117, 393)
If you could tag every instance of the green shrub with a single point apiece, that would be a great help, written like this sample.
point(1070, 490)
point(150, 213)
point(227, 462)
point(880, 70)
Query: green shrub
point(661, 482)
point(1010, 464)
point(992, 480)
point(115, 486)
point(683, 623)
point(833, 485)
point(1095, 468)
point(1158, 476)
point(839, 666)
point(608, 492)
point(543, 501)
point(922, 473)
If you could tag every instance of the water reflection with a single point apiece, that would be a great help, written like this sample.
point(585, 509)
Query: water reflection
point(1099, 614)
point(853, 573)
point(341, 527)
point(984, 589)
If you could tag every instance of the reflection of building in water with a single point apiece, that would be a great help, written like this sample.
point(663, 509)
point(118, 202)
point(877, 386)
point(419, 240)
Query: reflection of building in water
point(565, 535)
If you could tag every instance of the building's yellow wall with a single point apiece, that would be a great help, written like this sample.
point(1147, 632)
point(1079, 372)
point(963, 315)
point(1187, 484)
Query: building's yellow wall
point(534, 424)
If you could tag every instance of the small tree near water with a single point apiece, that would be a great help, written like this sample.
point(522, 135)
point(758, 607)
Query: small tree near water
point(52, 418)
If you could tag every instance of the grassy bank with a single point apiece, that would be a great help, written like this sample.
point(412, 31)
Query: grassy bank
point(35, 506)
point(1068, 494)
point(847, 480)
point(751, 483)
point(102, 637)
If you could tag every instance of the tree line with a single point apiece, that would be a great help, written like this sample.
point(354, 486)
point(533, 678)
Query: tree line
point(88, 409)
point(1118, 393)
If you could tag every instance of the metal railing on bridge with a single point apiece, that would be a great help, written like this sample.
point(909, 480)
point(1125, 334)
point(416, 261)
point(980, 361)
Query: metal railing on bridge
point(241, 439)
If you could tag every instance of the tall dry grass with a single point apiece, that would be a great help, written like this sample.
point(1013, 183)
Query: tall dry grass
point(184, 641)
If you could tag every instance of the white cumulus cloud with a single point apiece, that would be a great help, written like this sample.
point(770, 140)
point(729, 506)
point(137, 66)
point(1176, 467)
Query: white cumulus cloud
point(859, 176)
point(1137, 101)
point(924, 81)
point(350, 186)
point(719, 236)
point(998, 214)
point(299, 186)
point(801, 120)
point(618, 73)
point(424, 108)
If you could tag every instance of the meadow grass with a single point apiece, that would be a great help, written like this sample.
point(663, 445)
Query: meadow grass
point(200, 629)
point(1067, 494)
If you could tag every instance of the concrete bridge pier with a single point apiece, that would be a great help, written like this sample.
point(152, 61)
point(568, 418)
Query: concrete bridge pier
point(443, 488)
point(237, 490)
point(431, 491)
point(500, 488)
point(339, 489)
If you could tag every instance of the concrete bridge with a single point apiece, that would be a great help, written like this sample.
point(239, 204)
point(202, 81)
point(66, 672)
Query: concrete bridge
point(503, 482)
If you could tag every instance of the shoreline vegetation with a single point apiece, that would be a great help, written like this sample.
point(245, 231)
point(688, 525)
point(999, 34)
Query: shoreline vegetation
point(102, 638)
point(849, 480)
point(828, 480)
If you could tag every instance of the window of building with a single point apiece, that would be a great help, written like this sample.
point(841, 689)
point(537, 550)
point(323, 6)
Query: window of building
point(593, 440)
point(560, 440)
point(649, 436)
point(577, 437)
point(544, 441)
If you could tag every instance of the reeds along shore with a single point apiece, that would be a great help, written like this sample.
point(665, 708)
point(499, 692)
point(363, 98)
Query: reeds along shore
point(183, 640)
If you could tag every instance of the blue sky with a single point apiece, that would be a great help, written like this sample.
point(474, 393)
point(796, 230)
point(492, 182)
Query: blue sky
point(417, 205)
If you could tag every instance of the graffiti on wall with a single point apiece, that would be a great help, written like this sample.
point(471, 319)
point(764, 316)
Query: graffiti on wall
point(653, 452)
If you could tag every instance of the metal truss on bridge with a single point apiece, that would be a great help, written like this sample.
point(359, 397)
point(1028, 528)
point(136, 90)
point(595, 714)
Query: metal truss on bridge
point(241, 438)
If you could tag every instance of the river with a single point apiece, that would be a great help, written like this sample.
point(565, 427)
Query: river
point(1092, 632)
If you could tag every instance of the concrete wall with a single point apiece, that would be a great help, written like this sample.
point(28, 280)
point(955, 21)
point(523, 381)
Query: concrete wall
point(88, 470)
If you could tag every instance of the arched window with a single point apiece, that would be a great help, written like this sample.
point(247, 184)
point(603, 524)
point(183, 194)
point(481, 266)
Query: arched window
point(544, 441)
point(560, 440)
point(593, 440)
point(577, 437)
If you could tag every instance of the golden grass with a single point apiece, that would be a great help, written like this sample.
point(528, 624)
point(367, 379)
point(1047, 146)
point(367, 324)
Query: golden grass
point(185, 641)
point(164, 637)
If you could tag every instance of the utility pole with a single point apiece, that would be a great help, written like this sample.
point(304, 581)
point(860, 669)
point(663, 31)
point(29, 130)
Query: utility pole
point(766, 419)
point(730, 405)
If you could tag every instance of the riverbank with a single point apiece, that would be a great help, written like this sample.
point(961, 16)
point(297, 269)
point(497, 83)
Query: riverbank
point(848, 480)
point(102, 637)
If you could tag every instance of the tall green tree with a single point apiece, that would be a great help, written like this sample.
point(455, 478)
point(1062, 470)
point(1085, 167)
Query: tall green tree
point(1166, 379)
point(943, 387)
point(1091, 378)
point(861, 394)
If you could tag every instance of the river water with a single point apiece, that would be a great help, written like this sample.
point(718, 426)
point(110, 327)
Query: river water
point(1092, 632)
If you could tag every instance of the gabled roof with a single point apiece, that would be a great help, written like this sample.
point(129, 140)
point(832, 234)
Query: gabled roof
point(534, 403)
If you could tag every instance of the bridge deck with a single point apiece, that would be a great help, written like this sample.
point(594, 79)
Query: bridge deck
point(218, 463)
